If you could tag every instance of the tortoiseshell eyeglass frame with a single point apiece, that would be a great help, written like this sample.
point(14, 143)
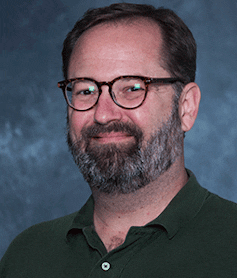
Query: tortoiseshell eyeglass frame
point(147, 81)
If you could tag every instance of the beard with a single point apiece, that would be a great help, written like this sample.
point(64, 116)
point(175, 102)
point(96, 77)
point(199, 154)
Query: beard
point(127, 167)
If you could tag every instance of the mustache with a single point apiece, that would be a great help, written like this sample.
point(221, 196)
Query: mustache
point(96, 129)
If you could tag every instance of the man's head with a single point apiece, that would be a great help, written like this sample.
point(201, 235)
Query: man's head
point(117, 149)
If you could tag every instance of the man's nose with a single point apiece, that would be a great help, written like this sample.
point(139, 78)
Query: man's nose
point(106, 110)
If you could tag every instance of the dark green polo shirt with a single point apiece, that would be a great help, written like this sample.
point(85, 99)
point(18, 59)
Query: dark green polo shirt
point(195, 236)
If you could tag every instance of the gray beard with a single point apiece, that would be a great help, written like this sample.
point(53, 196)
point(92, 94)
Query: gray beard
point(125, 168)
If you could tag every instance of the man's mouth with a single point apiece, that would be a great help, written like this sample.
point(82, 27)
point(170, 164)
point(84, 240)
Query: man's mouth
point(112, 137)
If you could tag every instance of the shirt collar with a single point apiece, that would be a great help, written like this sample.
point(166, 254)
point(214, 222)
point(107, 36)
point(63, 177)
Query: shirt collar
point(182, 208)
point(84, 217)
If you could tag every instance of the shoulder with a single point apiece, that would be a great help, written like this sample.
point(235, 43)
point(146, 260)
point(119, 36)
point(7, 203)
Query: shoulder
point(37, 245)
point(220, 207)
point(55, 226)
point(218, 215)
point(41, 236)
point(209, 206)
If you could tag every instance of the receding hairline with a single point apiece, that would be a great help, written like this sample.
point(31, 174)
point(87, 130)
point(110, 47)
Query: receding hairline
point(127, 22)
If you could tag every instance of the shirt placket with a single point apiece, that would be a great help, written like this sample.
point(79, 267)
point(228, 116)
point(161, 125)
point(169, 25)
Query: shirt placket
point(112, 264)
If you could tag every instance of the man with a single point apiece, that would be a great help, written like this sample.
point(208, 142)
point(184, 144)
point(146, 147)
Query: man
point(129, 84)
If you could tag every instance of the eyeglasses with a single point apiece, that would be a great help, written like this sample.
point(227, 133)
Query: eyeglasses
point(128, 92)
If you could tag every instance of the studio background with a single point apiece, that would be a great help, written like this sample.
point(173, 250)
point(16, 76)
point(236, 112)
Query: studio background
point(38, 178)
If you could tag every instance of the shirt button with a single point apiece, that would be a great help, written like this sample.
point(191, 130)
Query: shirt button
point(105, 266)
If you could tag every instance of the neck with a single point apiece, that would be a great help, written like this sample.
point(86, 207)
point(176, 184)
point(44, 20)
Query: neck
point(115, 214)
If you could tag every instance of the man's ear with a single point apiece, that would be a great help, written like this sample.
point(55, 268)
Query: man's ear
point(188, 105)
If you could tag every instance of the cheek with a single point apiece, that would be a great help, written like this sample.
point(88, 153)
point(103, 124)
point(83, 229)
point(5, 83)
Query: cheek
point(150, 116)
point(77, 120)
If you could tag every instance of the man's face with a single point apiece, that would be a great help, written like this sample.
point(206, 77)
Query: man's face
point(107, 137)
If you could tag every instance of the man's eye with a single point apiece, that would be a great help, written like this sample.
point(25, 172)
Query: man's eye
point(85, 92)
point(133, 89)
point(81, 90)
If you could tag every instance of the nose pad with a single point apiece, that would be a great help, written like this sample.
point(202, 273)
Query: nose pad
point(106, 110)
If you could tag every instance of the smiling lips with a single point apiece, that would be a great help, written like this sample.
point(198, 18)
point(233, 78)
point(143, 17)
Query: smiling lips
point(112, 137)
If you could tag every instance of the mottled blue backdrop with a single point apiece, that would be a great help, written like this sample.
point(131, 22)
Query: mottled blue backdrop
point(38, 178)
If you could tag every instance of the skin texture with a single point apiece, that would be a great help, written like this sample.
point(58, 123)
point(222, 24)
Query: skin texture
point(103, 53)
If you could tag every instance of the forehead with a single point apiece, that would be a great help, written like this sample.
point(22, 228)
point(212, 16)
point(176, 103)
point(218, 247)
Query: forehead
point(137, 41)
